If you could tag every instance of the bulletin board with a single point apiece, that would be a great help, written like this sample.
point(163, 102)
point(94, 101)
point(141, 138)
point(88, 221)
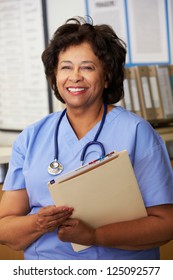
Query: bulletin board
point(143, 25)
point(24, 93)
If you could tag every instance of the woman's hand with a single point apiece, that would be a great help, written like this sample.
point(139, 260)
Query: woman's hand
point(76, 231)
point(50, 217)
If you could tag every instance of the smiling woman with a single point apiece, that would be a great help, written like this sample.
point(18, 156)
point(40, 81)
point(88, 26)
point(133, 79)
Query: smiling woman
point(84, 64)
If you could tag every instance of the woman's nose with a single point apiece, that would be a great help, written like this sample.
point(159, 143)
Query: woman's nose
point(75, 77)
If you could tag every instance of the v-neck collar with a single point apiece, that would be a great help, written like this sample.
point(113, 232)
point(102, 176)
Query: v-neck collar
point(71, 139)
point(72, 142)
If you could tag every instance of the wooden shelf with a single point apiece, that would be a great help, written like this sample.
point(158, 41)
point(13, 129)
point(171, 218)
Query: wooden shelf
point(5, 252)
point(166, 251)
point(166, 133)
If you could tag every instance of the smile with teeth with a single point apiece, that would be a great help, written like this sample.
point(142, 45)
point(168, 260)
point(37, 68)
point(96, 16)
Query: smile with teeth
point(76, 89)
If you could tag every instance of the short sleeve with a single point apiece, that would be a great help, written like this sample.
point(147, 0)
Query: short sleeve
point(153, 168)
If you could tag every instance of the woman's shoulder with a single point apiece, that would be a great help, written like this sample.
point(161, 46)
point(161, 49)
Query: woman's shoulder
point(127, 117)
point(130, 122)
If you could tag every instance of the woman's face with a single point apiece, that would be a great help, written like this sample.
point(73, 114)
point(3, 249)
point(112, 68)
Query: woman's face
point(80, 76)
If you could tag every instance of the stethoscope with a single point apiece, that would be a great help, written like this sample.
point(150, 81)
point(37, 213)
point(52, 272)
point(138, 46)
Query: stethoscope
point(55, 166)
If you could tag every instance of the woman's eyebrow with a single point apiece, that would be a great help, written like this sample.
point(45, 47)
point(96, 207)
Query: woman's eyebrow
point(65, 61)
point(82, 62)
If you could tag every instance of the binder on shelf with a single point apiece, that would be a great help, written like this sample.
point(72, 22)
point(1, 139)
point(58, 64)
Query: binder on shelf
point(127, 92)
point(145, 96)
point(102, 192)
point(165, 89)
point(155, 91)
point(137, 107)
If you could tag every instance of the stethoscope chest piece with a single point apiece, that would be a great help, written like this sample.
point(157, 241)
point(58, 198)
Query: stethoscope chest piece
point(55, 168)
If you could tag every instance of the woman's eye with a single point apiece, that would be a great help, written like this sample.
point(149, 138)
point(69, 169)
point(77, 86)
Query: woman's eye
point(87, 68)
point(65, 67)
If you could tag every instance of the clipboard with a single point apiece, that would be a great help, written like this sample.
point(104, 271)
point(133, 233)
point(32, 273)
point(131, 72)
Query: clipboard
point(102, 192)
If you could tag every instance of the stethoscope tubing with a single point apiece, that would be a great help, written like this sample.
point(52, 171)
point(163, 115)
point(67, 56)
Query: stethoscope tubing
point(95, 142)
point(56, 152)
point(52, 170)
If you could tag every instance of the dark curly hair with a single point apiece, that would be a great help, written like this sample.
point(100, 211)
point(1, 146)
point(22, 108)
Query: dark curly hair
point(106, 45)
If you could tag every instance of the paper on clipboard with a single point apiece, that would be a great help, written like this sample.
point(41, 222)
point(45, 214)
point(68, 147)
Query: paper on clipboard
point(102, 194)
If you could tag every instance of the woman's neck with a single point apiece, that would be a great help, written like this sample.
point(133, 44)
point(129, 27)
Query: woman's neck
point(83, 121)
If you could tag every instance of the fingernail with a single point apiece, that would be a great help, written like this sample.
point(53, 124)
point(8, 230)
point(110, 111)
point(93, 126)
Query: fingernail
point(65, 209)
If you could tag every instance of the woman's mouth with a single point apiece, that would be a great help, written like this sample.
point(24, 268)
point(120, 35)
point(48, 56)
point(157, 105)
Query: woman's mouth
point(76, 90)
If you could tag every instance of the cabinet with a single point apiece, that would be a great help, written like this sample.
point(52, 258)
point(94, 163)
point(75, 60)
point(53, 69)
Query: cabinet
point(166, 251)
point(9, 254)
point(5, 252)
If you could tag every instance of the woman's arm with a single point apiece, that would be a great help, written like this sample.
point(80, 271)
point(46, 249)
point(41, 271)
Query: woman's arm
point(17, 229)
point(151, 231)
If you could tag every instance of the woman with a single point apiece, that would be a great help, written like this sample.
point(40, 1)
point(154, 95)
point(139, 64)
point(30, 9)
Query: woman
point(85, 67)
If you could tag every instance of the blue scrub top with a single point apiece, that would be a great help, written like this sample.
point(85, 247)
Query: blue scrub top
point(34, 150)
